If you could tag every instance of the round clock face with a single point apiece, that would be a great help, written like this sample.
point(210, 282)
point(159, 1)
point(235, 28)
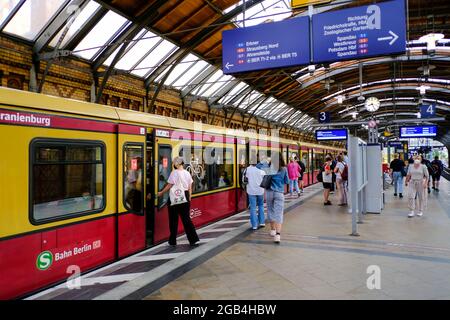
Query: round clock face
point(372, 104)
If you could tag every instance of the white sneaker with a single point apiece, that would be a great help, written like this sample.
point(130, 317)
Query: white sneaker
point(411, 214)
point(420, 214)
point(262, 225)
point(273, 233)
point(277, 238)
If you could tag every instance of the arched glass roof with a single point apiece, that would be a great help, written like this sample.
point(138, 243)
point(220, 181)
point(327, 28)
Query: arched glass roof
point(92, 29)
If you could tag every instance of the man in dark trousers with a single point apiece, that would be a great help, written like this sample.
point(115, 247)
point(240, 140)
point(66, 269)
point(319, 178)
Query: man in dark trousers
point(438, 167)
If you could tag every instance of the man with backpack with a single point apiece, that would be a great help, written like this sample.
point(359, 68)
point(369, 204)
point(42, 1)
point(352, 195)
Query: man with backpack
point(438, 167)
point(341, 171)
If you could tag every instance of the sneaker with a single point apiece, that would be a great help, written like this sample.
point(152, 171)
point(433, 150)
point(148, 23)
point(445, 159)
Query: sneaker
point(262, 225)
point(429, 190)
point(420, 214)
point(277, 238)
point(400, 195)
point(273, 233)
point(395, 194)
point(437, 190)
point(411, 214)
point(254, 228)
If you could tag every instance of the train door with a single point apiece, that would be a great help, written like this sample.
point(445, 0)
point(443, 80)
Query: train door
point(242, 153)
point(131, 229)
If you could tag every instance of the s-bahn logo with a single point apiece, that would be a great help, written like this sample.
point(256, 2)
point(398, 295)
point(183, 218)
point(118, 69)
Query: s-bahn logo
point(195, 212)
point(44, 260)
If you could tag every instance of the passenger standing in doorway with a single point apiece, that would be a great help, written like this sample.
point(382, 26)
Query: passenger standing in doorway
point(438, 167)
point(255, 194)
point(397, 171)
point(293, 169)
point(340, 182)
point(417, 182)
point(180, 177)
point(327, 180)
point(275, 197)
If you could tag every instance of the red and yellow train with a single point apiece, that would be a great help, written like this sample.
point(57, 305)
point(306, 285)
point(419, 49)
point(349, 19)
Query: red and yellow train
point(78, 182)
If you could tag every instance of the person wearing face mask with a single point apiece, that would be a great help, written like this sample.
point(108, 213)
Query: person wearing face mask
point(417, 183)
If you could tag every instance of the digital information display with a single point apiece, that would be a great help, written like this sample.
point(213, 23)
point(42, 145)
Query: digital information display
point(333, 134)
point(360, 32)
point(418, 132)
point(266, 46)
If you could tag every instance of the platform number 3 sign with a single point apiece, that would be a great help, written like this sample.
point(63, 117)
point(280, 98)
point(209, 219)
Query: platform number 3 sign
point(427, 111)
point(324, 117)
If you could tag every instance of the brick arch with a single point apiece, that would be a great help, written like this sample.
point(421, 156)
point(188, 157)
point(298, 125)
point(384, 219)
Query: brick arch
point(15, 81)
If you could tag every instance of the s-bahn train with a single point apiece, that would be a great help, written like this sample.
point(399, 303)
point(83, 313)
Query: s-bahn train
point(78, 183)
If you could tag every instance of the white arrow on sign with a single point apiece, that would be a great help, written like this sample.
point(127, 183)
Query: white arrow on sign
point(393, 38)
point(228, 65)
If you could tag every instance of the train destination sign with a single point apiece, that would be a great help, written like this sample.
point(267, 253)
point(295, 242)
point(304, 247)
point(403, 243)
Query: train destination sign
point(331, 135)
point(266, 46)
point(360, 32)
point(418, 131)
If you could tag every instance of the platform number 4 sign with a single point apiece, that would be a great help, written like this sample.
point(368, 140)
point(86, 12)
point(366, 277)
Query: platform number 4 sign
point(427, 111)
point(324, 117)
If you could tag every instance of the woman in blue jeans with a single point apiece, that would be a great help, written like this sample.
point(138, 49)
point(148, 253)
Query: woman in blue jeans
point(255, 195)
point(275, 197)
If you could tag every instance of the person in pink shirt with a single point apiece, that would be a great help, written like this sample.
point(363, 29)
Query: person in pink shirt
point(293, 173)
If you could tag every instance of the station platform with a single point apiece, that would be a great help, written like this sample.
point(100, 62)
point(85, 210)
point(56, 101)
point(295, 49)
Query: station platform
point(317, 258)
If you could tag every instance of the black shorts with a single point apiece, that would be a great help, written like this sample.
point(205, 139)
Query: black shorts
point(300, 178)
point(436, 177)
point(327, 185)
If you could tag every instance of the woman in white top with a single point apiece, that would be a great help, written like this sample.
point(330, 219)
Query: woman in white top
point(183, 180)
point(417, 180)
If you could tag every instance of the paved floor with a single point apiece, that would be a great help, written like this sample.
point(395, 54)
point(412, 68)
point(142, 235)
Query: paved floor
point(147, 268)
point(317, 259)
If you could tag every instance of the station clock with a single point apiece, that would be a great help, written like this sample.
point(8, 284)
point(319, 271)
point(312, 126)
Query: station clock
point(372, 104)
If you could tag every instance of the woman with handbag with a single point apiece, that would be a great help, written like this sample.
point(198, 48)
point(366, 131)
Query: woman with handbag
point(275, 196)
point(179, 185)
point(417, 182)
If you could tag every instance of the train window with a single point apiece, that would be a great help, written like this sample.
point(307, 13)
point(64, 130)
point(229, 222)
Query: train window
point(220, 167)
point(133, 182)
point(305, 160)
point(164, 169)
point(194, 164)
point(67, 179)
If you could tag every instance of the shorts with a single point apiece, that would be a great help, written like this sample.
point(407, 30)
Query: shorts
point(327, 185)
point(436, 177)
point(300, 178)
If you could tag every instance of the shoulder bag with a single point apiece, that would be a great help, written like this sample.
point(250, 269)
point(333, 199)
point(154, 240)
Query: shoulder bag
point(176, 193)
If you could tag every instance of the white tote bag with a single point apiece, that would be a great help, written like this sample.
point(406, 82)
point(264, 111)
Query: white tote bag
point(176, 193)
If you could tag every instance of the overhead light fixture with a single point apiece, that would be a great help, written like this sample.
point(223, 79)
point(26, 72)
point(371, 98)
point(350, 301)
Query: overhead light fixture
point(431, 40)
point(423, 89)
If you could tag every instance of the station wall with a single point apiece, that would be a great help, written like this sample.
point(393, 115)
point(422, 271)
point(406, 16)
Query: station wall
point(71, 77)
